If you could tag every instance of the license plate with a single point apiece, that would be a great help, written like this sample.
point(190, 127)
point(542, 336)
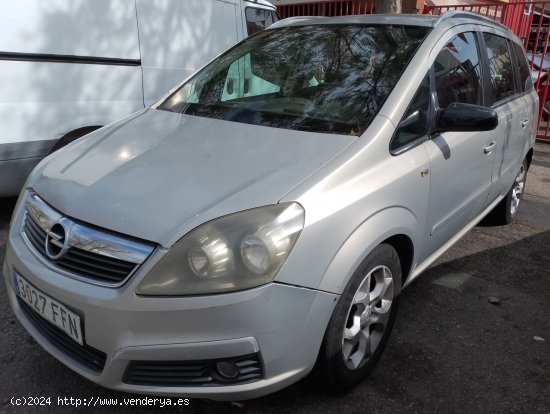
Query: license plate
point(50, 309)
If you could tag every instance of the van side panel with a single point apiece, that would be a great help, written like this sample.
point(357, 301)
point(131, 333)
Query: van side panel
point(64, 65)
point(41, 102)
point(105, 28)
point(47, 90)
point(176, 38)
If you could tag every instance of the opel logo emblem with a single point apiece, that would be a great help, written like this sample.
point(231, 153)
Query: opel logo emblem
point(57, 242)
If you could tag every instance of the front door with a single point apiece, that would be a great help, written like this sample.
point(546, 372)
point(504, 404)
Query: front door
point(461, 162)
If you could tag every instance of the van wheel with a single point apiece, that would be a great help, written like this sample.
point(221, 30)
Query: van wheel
point(507, 209)
point(72, 136)
point(362, 321)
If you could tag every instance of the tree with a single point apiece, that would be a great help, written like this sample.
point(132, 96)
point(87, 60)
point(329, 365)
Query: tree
point(387, 6)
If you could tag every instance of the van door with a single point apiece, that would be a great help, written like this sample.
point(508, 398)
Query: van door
point(514, 113)
point(179, 37)
point(461, 166)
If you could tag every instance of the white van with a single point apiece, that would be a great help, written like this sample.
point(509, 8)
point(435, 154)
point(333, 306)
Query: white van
point(70, 67)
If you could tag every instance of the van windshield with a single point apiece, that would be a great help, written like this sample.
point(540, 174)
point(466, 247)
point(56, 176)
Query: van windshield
point(322, 78)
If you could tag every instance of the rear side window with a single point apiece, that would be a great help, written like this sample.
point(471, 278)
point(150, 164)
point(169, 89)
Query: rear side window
point(458, 72)
point(259, 19)
point(500, 67)
point(524, 74)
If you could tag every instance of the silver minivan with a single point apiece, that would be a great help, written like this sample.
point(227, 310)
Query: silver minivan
point(262, 218)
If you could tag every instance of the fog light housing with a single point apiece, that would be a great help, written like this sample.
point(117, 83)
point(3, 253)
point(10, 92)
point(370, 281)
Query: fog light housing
point(227, 369)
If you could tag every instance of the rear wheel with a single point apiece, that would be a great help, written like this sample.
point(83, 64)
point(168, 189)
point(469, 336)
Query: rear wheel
point(507, 209)
point(546, 111)
point(362, 321)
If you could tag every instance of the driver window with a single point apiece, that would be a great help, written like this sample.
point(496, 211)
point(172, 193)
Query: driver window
point(458, 72)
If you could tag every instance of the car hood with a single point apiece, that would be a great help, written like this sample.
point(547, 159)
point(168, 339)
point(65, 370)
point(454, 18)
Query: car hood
point(156, 175)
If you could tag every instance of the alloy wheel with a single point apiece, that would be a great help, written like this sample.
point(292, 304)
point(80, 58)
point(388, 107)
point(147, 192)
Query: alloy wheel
point(367, 317)
point(517, 190)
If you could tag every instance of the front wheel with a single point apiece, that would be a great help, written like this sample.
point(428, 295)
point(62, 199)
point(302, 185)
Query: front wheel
point(72, 136)
point(362, 321)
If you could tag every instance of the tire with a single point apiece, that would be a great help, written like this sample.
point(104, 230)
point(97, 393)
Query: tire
point(346, 358)
point(72, 136)
point(506, 211)
point(546, 111)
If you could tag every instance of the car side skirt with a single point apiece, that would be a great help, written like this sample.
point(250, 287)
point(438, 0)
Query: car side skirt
point(419, 268)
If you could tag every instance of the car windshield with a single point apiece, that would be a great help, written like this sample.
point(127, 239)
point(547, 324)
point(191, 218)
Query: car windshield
point(323, 78)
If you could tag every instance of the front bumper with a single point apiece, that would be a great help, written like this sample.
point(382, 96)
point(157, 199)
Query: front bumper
point(282, 324)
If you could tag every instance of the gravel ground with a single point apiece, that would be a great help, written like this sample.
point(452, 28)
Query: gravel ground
point(472, 335)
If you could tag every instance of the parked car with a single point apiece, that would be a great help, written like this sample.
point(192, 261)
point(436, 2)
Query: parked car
point(263, 217)
point(70, 67)
point(539, 76)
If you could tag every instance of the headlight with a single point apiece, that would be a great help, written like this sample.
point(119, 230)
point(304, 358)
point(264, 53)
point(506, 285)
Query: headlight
point(234, 252)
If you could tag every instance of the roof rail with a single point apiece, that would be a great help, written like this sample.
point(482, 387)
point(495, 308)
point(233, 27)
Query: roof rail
point(455, 14)
point(294, 19)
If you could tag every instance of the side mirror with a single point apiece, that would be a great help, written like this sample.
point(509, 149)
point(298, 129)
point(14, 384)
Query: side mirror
point(466, 117)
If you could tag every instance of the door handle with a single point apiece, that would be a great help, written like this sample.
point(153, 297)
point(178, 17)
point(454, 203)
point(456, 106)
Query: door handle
point(489, 148)
point(525, 123)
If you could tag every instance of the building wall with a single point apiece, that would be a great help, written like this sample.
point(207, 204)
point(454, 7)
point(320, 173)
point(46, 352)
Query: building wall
point(412, 6)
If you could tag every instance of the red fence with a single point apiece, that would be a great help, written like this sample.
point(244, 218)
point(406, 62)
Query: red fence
point(530, 21)
point(327, 8)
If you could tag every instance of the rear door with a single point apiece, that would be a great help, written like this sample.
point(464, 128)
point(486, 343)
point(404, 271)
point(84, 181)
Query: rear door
point(515, 117)
point(461, 162)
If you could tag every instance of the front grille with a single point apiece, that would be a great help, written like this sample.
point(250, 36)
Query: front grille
point(84, 263)
point(35, 234)
point(85, 355)
point(192, 373)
